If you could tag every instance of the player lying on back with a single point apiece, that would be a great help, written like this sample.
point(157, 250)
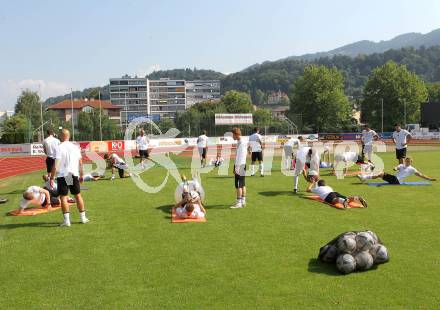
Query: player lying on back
point(327, 194)
point(190, 206)
point(403, 171)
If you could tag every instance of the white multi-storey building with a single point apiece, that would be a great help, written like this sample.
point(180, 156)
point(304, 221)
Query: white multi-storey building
point(202, 90)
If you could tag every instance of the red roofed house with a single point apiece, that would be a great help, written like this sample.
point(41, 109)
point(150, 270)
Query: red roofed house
point(64, 109)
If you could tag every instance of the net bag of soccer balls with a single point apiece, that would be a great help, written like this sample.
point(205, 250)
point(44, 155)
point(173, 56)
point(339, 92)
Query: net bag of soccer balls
point(354, 251)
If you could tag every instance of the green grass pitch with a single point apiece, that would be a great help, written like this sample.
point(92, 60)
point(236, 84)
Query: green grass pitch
point(131, 256)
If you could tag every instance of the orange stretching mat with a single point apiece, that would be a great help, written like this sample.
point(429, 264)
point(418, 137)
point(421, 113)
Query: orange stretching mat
point(351, 205)
point(175, 219)
point(33, 211)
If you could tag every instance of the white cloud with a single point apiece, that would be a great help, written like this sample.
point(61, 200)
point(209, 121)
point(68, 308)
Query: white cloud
point(11, 89)
point(144, 71)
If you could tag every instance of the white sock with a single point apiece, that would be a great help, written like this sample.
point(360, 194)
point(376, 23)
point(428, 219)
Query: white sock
point(83, 215)
point(252, 169)
point(243, 200)
point(261, 168)
point(66, 217)
point(341, 200)
point(367, 176)
point(238, 200)
point(296, 181)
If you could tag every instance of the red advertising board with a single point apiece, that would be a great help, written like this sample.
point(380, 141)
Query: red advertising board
point(85, 146)
point(116, 146)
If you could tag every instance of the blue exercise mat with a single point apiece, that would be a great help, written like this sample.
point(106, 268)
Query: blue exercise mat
point(419, 183)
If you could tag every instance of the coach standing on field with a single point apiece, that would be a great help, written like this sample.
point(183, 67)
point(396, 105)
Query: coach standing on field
point(68, 169)
point(50, 144)
point(401, 137)
point(142, 143)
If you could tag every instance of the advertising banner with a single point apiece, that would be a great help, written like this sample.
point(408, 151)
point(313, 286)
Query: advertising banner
point(15, 149)
point(116, 146)
point(37, 149)
point(330, 136)
point(233, 119)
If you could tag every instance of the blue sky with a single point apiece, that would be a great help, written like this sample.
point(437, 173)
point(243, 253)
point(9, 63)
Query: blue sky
point(63, 44)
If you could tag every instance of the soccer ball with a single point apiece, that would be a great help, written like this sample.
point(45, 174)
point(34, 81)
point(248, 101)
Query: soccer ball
point(374, 236)
point(364, 241)
point(364, 260)
point(379, 253)
point(347, 243)
point(346, 263)
point(328, 253)
point(324, 164)
point(188, 187)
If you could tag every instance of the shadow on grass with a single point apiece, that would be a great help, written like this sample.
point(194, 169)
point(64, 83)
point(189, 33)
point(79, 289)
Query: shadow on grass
point(24, 225)
point(17, 191)
point(316, 266)
point(166, 209)
point(220, 177)
point(277, 193)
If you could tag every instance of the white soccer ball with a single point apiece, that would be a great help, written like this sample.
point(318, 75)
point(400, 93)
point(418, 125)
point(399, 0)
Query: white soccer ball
point(328, 253)
point(347, 243)
point(379, 253)
point(346, 263)
point(364, 260)
point(364, 241)
point(188, 187)
point(374, 236)
point(324, 164)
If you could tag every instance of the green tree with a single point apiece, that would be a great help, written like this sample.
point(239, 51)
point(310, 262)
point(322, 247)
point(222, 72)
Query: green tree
point(262, 117)
point(29, 105)
point(16, 129)
point(402, 93)
point(258, 97)
point(318, 96)
point(166, 124)
point(237, 102)
point(433, 92)
point(86, 129)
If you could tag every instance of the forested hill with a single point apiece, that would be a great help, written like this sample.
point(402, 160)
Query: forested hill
point(280, 75)
point(366, 47)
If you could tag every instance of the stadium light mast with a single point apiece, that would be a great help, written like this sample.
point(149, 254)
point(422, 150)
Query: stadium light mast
point(71, 119)
point(41, 112)
point(100, 115)
point(381, 100)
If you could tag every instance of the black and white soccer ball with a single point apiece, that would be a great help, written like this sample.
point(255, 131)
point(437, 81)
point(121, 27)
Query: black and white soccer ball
point(347, 243)
point(328, 253)
point(364, 260)
point(364, 241)
point(346, 263)
point(374, 236)
point(380, 254)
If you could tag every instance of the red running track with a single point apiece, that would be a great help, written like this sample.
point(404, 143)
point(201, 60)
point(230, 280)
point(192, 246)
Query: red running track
point(11, 166)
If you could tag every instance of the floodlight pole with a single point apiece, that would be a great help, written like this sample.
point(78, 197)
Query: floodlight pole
point(381, 99)
point(71, 119)
point(41, 113)
point(100, 112)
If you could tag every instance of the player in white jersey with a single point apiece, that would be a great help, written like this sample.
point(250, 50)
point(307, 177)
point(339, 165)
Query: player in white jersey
point(403, 171)
point(190, 207)
point(37, 196)
point(288, 147)
point(349, 157)
point(401, 137)
point(116, 162)
point(367, 139)
point(142, 143)
point(327, 194)
point(256, 149)
point(306, 157)
point(239, 169)
point(202, 145)
point(50, 144)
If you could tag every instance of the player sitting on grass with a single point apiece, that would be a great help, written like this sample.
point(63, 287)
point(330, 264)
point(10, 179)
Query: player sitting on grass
point(190, 207)
point(403, 171)
point(327, 194)
point(348, 157)
point(116, 162)
point(37, 196)
point(217, 161)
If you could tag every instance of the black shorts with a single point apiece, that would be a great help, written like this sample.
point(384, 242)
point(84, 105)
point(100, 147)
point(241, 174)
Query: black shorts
point(392, 179)
point(202, 151)
point(240, 179)
point(401, 153)
point(121, 172)
point(332, 196)
point(144, 154)
point(63, 188)
point(53, 201)
point(257, 156)
point(49, 164)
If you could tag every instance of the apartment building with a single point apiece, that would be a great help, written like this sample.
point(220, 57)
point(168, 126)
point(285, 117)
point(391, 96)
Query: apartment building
point(202, 90)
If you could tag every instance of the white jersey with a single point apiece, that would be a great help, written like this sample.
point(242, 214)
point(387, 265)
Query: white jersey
point(322, 191)
point(116, 160)
point(50, 145)
point(255, 141)
point(202, 141)
point(315, 161)
point(142, 143)
point(293, 142)
point(39, 199)
point(347, 157)
point(302, 153)
point(196, 213)
point(400, 137)
point(404, 172)
point(368, 136)
point(87, 177)
point(240, 156)
point(68, 156)
point(48, 186)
